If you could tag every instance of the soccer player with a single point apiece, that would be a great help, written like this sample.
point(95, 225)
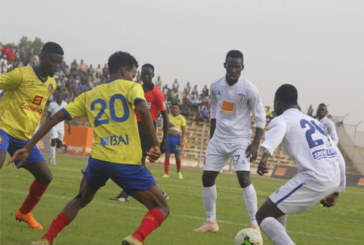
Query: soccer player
point(233, 99)
point(176, 140)
point(155, 103)
point(116, 153)
point(27, 90)
point(321, 167)
point(321, 115)
point(57, 132)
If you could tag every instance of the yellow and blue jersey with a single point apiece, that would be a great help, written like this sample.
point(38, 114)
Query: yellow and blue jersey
point(25, 97)
point(178, 121)
point(110, 108)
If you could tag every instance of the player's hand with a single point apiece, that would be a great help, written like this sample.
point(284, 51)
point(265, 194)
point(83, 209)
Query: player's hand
point(182, 144)
point(330, 201)
point(263, 167)
point(163, 147)
point(153, 154)
point(20, 155)
point(252, 152)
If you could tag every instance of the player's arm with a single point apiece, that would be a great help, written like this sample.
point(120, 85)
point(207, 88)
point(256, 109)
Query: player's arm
point(183, 136)
point(252, 150)
point(147, 121)
point(22, 154)
point(10, 80)
point(69, 126)
point(165, 117)
point(213, 111)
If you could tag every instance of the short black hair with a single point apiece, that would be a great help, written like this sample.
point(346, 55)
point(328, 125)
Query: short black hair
point(119, 59)
point(287, 93)
point(234, 54)
point(147, 65)
point(53, 48)
point(176, 105)
point(322, 104)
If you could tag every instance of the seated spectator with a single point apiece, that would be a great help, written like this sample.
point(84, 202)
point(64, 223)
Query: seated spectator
point(175, 86)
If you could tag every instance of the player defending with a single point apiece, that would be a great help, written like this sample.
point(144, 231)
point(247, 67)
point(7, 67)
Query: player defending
point(176, 141)
point(155, 103)
point(116, 153)
point(57, 132)
point(329, 125)
point(321, 167)
point(27, 90)
point(233, 99)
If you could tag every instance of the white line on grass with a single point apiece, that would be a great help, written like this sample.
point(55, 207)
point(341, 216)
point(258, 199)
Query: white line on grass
point(186, 216)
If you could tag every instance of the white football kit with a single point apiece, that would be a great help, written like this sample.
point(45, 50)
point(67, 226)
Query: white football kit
point(321, 167)
point(330, 128)
point(57, 132)
point(232, 106)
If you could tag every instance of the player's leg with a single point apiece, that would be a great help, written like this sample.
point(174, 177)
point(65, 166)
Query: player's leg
point(53, 149)
point(166, 163)
point(267, 216)
point(2, 158)
point(69, 212)
point(4, 144)
point(179, 165)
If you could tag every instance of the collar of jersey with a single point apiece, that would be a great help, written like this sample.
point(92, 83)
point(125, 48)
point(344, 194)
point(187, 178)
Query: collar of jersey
point(111, 80)
point(36, 73)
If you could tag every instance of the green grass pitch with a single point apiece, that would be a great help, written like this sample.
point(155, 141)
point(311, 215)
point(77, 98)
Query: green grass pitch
point(106, 222)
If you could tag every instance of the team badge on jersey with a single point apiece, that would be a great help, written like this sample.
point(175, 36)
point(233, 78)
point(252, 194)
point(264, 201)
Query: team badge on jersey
point(242, 98)
point(50, 88)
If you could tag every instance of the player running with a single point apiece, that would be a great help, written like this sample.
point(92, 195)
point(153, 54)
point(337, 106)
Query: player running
point(57, 132)
point(233, 99)
point(27, 90)
point(321, 167)
point(176, 140)
point(116, 153)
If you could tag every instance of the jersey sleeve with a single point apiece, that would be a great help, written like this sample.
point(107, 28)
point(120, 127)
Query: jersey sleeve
point(213, 103)
point(136, 93)
point(332, 131)
point(258, 109)
point(274, 136)
point(10, 80)
point(160, 100)
point(77, 108)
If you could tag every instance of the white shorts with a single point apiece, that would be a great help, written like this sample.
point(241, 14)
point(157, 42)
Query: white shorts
point(218, 153)
point(57, 133)
point(296, 196)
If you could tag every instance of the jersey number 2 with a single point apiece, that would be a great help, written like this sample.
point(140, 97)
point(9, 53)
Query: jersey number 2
point(312, 126)
point(113, 115)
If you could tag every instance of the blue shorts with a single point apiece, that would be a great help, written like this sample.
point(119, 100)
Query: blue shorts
point(128, 176)
point(173, 144)
point(11, 145)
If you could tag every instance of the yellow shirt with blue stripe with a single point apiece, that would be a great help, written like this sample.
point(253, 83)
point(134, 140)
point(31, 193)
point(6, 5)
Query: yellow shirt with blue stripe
point(25, 97)
point(178, 121)
point(110, 108)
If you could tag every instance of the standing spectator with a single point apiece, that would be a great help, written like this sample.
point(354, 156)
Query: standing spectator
point(187, 89)
point(74, 66)
point(195, 90)
point(205, 91)
point(105, 72)
point(158, 83)
point(176, 140)
point(321, 167)
point(175, 86)
point(329, 125)
point(233, 99)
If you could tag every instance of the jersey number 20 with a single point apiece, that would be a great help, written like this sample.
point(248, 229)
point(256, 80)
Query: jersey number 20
point(113, 115)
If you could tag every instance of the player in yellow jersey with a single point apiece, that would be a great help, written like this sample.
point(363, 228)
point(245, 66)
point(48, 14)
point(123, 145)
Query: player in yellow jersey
point(117, 153)
point(27, 90)
point(176, 140)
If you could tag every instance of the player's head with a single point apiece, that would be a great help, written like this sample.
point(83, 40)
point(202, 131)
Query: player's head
point(286, 97)
point(147, 74)
point(51, 57)
point(234, 64)
point(123, 65)
point(175, 109)
point(321, 111)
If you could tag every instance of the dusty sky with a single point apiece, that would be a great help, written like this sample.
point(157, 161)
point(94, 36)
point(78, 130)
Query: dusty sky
point(317, 45)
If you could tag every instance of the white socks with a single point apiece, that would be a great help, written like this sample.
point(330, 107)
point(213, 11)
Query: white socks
point(209, 200)
point(275, 231)
point(251, 202)
point(53, 152)
point(283, 220)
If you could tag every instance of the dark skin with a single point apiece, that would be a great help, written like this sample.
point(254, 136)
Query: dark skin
point(269, 209)
point(321, 112)
point(48, 66)
point(234, 67)
point(147, 75)
point(175, 112)
point(151, 198)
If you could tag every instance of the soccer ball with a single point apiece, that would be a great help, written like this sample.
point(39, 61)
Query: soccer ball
point(248, 236)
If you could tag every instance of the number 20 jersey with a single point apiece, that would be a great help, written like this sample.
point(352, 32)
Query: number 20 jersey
point(110, 110)
point(307, 143)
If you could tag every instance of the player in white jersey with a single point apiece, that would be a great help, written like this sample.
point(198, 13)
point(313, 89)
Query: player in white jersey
point(321, 167)
point(57, 132)
point(233, 99)
point(321, 115)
